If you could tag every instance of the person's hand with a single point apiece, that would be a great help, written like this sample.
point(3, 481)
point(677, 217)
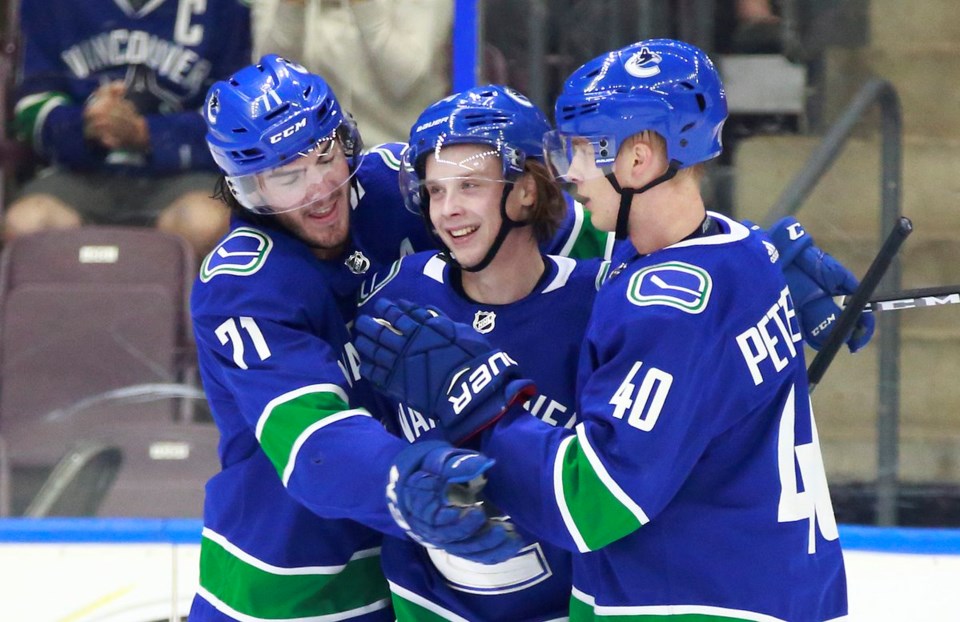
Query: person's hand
point(432, 495)
point(113, 121)
point(440, 367)
point(814, 278)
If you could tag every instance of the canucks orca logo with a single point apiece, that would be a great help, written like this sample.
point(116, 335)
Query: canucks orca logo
point(643, 64)
point(673, 284)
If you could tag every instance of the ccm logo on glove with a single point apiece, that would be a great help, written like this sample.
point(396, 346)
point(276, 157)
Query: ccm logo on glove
point(477, 380)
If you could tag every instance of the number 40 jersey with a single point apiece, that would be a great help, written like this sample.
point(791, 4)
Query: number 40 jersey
point(693, 485)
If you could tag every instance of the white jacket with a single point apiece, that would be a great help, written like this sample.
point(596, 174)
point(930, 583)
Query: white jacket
point(386, 60)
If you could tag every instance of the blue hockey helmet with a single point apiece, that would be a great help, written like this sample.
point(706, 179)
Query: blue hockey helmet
point(268, 116)
point(492, 115)
point(663, 85)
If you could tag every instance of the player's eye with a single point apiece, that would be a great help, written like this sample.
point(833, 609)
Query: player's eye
point(434, 191)
point(289, 179)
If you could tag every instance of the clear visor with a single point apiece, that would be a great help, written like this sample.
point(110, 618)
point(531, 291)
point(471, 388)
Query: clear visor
point(577, 158)
point(471, 172)
point(316, 175)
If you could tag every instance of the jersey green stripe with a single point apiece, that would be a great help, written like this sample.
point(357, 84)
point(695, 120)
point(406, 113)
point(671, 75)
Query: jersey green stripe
point(287, 420)
point(583, 612)
point(407, 611)
point(590, 241)
point(599, 517)
point(27, 113)
point(266, 594)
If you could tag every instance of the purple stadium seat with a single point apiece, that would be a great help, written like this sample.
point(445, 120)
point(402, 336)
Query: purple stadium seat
point(133, 469)
point(93, 328)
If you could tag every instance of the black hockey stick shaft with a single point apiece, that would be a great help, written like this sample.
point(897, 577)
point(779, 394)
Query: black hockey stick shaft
point(908, 298)
point(851, 313)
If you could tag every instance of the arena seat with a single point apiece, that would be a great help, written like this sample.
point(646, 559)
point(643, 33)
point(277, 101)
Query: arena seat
point(94, 327)
point(132, 469)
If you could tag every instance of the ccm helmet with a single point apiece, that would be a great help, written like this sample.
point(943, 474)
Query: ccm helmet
point(267, 116)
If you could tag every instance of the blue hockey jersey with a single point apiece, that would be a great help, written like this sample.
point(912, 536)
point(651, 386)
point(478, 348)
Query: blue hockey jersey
point(543, 332)
point(693, 485)
point(292, 522)
point(167, 52)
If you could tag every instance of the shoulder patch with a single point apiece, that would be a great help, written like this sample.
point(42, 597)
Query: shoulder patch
point(674, 284)
point(242, 253)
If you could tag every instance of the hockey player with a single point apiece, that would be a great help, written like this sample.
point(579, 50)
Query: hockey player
point(475, 170)
point(292, 522)
point(109, 95)
point(693, 484)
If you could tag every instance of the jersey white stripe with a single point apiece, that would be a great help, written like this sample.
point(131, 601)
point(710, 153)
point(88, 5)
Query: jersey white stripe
point(608, 481)
point(432, 607)
point(259, 564)
point(561, 500)
point(670, 610)
point(340, 416)
point(222, 607)
point(292, 395)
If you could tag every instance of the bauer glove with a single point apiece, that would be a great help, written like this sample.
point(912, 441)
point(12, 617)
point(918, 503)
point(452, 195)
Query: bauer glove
point(440, 367)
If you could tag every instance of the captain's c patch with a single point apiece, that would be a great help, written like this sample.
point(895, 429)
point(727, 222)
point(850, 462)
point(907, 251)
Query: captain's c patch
point(674, 284)
point(242, 253)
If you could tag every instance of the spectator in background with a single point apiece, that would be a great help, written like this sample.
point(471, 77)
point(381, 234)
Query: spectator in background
point(387, 60)
point(110, 96)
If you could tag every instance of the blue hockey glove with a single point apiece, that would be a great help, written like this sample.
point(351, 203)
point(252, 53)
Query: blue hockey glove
point(440, 367)
point(815, 278)
point(432, 495)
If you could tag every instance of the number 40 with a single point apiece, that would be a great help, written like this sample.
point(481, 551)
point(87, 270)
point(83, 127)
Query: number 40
point(646, 406)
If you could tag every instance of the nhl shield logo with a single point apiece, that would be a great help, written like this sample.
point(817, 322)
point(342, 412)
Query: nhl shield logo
point(357, 263)
point(484, 321)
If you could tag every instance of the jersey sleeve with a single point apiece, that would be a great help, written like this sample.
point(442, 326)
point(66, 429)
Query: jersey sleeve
point(178, 140)
point(46, 114)
point(644, 426)
point(291, 389)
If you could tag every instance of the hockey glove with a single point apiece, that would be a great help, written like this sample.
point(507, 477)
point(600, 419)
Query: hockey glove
point(432, 495)
point(439, 367)
point(815, 278)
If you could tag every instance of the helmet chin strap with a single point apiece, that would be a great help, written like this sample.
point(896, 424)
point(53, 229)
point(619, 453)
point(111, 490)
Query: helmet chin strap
point(506, 224)
point(627, 194)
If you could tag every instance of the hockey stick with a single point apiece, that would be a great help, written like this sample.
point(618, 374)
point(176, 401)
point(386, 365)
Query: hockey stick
point(908, 299)
point(858, 300)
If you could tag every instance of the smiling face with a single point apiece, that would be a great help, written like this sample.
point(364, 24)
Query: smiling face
point(465, 186)
point(310, 197)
